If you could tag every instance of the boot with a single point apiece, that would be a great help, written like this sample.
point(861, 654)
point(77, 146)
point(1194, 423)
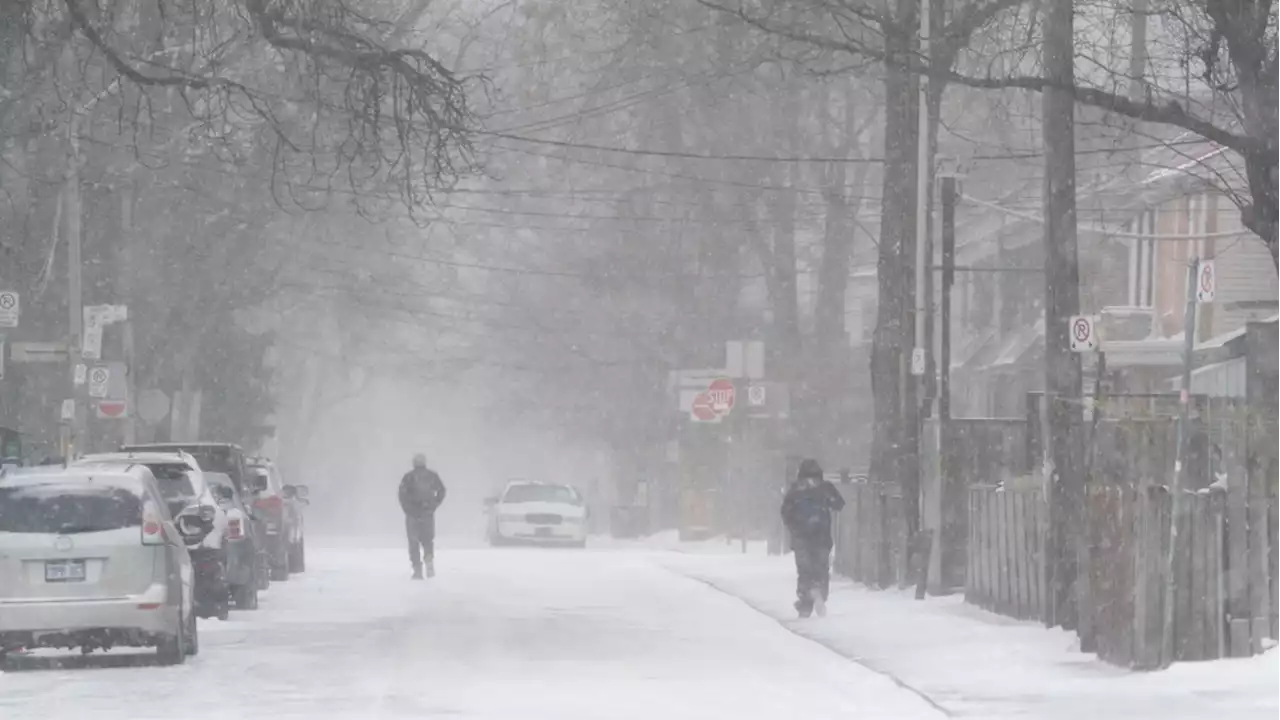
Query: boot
point(431, 567)
point(417, 572)
point(803, 608)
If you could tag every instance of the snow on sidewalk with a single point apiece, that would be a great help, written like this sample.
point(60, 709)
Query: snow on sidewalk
point(976, 664)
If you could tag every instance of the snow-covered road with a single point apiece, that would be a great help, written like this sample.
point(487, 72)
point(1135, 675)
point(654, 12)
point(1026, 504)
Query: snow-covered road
point(500, 634)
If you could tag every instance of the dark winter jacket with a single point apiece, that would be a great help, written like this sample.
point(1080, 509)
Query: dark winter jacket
point(421, 492)
point(806, 511)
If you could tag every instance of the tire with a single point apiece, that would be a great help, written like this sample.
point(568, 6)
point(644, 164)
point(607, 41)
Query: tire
point(224, 610)
point(279, 573)
point(193, 636)
point(172, 649)
point(245, 596)
point(298, 557)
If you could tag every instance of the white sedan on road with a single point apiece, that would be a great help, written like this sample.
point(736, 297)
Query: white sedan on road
point(538, 513)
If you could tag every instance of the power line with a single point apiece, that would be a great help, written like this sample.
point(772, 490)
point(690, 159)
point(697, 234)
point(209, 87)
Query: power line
point(763, 158)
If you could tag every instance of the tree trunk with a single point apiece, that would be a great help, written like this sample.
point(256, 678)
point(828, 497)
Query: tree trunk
point(1062, 300)
point(894, 444)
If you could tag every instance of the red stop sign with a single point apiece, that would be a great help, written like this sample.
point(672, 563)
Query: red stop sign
point(722, 395)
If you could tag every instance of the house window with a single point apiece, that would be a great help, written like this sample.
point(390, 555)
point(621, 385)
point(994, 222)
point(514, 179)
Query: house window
point(1142, 253)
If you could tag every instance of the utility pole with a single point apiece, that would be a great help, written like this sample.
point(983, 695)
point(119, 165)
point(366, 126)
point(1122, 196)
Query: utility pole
point(948, 199)
point(915, 386)
point(1062, 379)
point(1175, 487)
point(75, 436)
point(923, 261)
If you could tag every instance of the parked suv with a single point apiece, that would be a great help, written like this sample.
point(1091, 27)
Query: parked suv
point(280, 506)
point(91, 558)
point(212, 456)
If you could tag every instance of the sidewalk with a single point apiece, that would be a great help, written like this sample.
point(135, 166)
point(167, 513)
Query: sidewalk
point(975, 664)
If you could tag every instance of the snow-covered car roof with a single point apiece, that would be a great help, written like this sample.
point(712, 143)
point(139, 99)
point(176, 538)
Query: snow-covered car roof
point(141, 458)
point(19, 471)
point(122, 477)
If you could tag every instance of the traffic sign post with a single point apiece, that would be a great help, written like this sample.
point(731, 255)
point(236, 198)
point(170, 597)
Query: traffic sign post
point(1083, 333)
point(99, 380)
point(10, 308)
point(1206, 282)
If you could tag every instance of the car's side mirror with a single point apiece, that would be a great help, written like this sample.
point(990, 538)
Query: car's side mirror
point(225, 493)
point(259, 483)
point(289, 492)
point(301, 491)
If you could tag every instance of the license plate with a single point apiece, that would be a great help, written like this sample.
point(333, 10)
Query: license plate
point(542, 532)
point(64, 571)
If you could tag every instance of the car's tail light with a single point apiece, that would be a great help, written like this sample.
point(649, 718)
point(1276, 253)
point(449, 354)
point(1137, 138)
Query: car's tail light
point(270, 503)
point(152, 525)
point(235, 528)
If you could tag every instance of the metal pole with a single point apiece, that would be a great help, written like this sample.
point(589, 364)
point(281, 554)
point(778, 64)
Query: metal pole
point(948, 279)
point(1175, 486)
point(922, 189)
point(75, 301)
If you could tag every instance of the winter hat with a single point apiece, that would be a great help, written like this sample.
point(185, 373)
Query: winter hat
point(809, 468)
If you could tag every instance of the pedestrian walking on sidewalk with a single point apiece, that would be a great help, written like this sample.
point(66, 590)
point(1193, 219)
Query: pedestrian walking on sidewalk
point(421, 494)
point(806, 513)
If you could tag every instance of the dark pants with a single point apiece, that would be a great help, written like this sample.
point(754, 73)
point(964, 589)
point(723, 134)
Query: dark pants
point(813, 570)
point(421, 532)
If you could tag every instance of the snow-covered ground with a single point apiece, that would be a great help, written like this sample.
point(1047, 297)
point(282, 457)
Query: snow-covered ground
point(976, 664)
point(499, 634)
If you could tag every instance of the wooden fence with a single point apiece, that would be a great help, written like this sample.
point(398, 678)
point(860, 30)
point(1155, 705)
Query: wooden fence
point(1224, 572)
point(1005, 568)
point(871, 535)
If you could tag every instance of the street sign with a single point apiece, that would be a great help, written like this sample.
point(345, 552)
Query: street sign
point(79, 375)
point(917, 361)
point(113, 409)
point(722, 395)
point(37, 352)
point(702, 410)
point(10, 308)
point(99, 377)
point(756, 395)
point(68, 410)
point(1206, 282)
point(91, 343)
point(153, 405)
point(744, 359)
point(1082, 333)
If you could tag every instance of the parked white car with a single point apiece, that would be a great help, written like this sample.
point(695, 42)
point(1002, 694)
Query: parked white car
point(91, 558)
point(538, 513)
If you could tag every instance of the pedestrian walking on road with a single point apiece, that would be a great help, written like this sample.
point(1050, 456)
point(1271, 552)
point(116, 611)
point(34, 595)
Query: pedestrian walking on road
point(806, 512)
point(421, 494)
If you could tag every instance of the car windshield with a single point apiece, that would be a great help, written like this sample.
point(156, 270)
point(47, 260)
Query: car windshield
point(541, 493)
point(66, 508)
